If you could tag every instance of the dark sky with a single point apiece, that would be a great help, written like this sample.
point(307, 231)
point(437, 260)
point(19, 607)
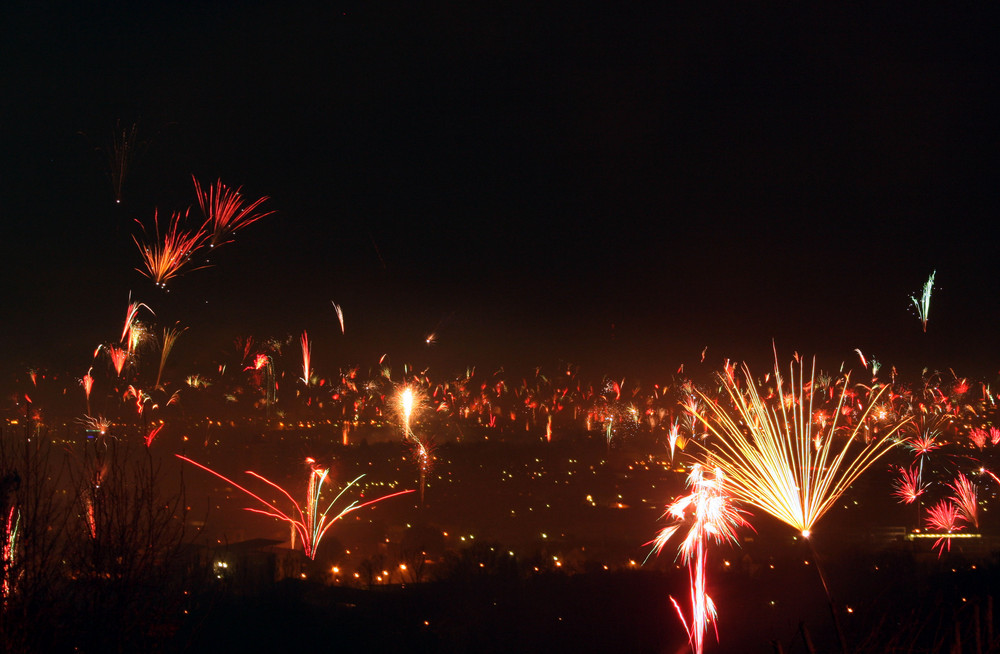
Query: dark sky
point(615, 184)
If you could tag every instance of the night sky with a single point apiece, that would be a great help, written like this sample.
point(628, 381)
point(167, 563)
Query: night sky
point(612, 184)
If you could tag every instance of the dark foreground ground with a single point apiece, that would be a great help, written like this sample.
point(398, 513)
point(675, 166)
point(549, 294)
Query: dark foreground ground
point(891, 603)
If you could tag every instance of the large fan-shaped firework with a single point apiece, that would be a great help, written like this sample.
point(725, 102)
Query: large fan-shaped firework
point(773, 459)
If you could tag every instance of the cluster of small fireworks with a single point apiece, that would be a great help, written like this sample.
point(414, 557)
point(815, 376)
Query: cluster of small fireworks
point(165, 256)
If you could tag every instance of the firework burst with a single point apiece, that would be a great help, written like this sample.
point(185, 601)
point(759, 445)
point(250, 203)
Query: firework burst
point(944, 517)
point(908, 486)
point(770, 455)
point(309, 522)
point(225, 212)
point(340, 315)
point(713, 517)
point(166, 256)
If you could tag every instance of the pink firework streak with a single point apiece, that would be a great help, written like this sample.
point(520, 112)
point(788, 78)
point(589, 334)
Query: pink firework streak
point(153, 433)
point(908, 486)
point(923, 443)
point(306, 358)
point(943, 516)
point(309, 522)
point(118, 357)
point(715, 518)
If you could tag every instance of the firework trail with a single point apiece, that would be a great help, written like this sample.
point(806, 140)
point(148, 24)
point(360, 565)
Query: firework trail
point(978, 437)
point(340, 315)
point(310, 522)
point(406, 401)
point(715, 518)
point(422, 448)
point(123, 145)
point(88, 385)
point(923, 305)
point(170, 336)
point(166, 256)
point(423, 452)
point(224, 211)
point(306, 359)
